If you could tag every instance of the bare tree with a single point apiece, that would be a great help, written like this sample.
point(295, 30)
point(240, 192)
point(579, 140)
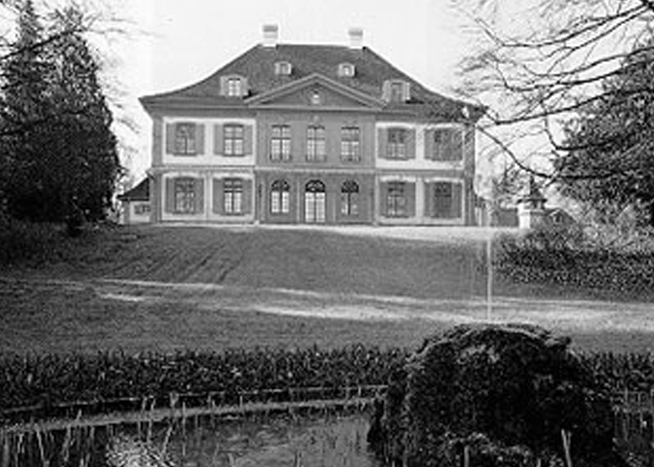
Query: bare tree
point(536, 72)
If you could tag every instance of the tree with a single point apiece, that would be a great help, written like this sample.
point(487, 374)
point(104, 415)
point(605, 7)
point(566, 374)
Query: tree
point(552, 63)
point(612, 138)
point(57, 134)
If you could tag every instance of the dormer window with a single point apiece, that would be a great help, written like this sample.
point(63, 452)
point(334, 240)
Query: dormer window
point(233, 86)
point(283, 68)
point(346, 70)
point(396, 90)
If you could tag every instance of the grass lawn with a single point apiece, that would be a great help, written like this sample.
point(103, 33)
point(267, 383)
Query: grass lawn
point(166, 288)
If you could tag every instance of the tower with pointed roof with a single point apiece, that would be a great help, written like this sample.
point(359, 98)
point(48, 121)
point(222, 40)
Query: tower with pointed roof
point(311, 134)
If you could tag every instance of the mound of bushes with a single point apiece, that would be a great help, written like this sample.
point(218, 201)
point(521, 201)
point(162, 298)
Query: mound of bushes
point(565, 256)
point(505, 395)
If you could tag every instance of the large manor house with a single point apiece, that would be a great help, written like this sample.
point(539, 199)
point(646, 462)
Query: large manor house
point(308, 134)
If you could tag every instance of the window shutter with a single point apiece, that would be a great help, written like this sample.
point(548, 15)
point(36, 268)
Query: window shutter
point(406, 91)
point(429, 199)
point(199, 195)
point(247, 140)
point(386, 91)
point(223, 85)
point(199, 138)
point(429, 145)
point(218, 196)
point(247, 196)
point(456, 145)
point(170, 138)
point(382, 137)
point(218, 139)
point(410, 144)
point(169, 205)
point(410, 193)
point(457, 197)
point(383, 199)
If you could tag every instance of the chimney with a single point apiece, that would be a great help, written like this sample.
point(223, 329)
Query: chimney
point(270, 35)
point(356, 38)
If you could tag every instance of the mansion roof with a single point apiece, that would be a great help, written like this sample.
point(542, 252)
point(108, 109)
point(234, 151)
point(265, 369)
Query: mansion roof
point(257, 65)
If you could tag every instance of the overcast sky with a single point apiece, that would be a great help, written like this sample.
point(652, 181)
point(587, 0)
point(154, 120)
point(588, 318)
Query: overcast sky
point(184, 41)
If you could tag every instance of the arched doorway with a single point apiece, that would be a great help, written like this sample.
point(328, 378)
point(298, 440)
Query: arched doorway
point(314, 202)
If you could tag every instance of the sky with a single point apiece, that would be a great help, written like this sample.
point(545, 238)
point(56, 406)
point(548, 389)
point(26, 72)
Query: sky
point(176, 43)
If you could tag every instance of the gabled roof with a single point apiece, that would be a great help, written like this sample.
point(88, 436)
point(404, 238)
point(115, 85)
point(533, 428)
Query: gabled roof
point(258, 66)
point(313, 79)
point(140, 192)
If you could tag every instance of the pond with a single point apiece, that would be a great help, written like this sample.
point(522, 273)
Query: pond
point(264, 439)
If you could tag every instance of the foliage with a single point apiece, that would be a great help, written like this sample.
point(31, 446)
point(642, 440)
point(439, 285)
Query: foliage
point(59, 154)
point(516, 385)
point(567, 256)
point(609, 139)
point(51, 379)
point(538, 64)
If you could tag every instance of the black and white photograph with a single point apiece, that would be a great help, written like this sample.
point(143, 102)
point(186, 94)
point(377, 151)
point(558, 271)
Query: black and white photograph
point(345, 233)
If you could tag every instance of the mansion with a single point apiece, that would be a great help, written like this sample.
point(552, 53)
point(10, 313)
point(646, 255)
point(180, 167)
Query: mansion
point(305, 134)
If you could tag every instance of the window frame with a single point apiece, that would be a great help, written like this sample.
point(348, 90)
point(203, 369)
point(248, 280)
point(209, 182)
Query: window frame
point(234, 86)
point(397, 144)
point(280, 143)
point(351, 143)
point(346, 70)
point(350, 191)
point(396, 199)
point(316, 150)
point(233, 196)
point(283, 68)
point(233, 142)
point(447, 215)
point(186, 143)
point(441, 139)
point(280, 194)
point(184, 195)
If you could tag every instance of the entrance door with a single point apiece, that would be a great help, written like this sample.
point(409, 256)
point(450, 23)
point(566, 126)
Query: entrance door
point(314, 202)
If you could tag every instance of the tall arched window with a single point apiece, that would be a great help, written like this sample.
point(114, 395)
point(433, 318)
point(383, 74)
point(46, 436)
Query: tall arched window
point(350, 198)
point(314, 201)
point(280, 193)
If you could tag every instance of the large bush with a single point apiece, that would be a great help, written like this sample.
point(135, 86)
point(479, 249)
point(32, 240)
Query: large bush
point(506, 392)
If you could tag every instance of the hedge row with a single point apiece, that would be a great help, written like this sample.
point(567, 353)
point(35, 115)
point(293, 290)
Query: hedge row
point(552, 258)
point(54, 379)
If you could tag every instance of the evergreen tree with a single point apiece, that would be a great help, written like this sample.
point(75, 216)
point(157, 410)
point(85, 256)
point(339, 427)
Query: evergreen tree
point(61, 152)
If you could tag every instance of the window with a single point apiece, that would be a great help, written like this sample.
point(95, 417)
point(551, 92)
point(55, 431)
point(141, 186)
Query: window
point(233, 140)
point(316, 144)
point(397, 91)
point(314, 202)
point(234, 87)
point(280, 143)
point(346, 70)
point(184, 189)
point(141, 209)
point(233, 195)
point(185, 138)
point(396, 148)
point(350, 144)
point(447, 145)
point(316, 98)
point(350, 198)
point(280, 193)
point(447, 200)
point(396, 204)
point(283, 68)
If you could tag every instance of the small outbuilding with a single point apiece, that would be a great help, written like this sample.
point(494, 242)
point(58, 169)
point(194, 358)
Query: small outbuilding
point(135, 203)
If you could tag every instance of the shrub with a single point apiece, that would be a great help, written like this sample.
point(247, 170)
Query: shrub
point(25, 240)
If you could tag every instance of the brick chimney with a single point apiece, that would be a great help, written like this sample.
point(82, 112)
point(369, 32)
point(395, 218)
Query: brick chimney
point(356, 38)
point(270, 35)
